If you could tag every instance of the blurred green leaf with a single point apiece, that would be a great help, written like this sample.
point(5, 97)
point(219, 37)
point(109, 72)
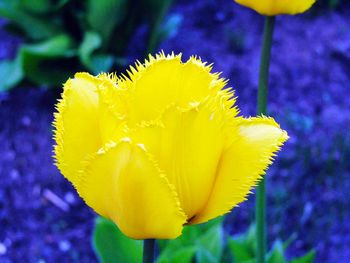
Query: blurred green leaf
point(104, 15)
point(210, 245)
point(277, 253)
point(112, 246)
point(36, 7)
point(58, 46)
point(240, 251)
point(251, 238)
point(90, 43)
point(10, 73)
point(34, 27)
point(41, 7)
point(96, 63)
point(207, 239)
point(181, 255)
point(248, 239)
point(243, 249)
point(37, 61)
point(308, 258)
point(65, 36)
point(189, 236)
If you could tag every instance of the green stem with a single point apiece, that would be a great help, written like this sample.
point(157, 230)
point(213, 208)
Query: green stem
point(260, 206)
point(148, 250)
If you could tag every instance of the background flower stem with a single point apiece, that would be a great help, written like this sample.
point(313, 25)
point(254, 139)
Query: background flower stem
point(260, 206)
point(148, 250)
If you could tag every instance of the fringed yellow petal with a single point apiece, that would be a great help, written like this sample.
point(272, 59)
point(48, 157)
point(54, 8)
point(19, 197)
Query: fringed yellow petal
point(76, 124)
point(187, 145)
point(278, 7)
point(242, 165)
point(165, 80)
point(112, 110)
point(123, 184)
point(85, 120)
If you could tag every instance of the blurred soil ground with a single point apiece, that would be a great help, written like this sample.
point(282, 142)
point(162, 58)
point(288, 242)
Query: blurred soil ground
point(43, 220)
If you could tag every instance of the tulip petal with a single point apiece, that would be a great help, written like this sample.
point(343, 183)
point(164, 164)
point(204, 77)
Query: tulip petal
point(165, 80)
point(112, 110)
point(187, 145)
point(76, 123)
point(276, 7)
point(242, 165)
point(86, 120)
point(123, 184)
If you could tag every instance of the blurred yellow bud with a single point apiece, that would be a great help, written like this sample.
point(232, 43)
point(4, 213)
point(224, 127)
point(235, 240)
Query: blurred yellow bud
point(277, 7)
point(161, 147)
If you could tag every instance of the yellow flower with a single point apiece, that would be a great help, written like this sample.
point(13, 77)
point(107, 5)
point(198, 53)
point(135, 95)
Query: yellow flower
point(277, 7)
point(162, 147)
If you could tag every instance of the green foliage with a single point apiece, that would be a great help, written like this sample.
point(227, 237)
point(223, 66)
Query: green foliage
point(200, 244)
point(37, 60)
point(243, 250)
point(203, 243)
point(65, 36)
point(111, 246)
point(243, 247)
point(104, 15)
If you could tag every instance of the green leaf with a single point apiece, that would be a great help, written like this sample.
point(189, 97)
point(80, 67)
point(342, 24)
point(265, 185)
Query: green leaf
point(182, 255)
point(251, 238)
point(308, 258)
point(10, 73)
point(196, 235)
point(248, 239)
point(111, 246)
point(36, 7)
point(277, 253)
point(33, 26)
point(104, 15)
point(240, 251)
point(58, 46)
point(217, 222)
point(41, 7)
point(96, 63)
point(43, 62)
point(210, 245)
point(189, 237)
point(90, 43)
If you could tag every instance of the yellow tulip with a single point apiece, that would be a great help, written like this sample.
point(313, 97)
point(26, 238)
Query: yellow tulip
point(161, 148)
point(277, 7)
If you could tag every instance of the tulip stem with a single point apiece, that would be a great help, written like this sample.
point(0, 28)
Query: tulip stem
point(148, 250)
point(260, 206)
